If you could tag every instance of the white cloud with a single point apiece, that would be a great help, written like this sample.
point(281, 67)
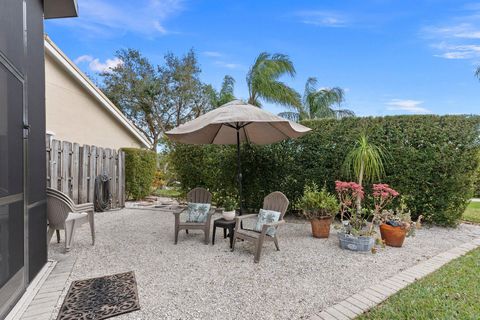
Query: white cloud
point(109, 18)
point(96, 65)
point(460, 51)
point(457, 38)
point(323, 18)
point(214, 54)
point(228, 65)
point(410, 106)
point(83, 59)
point(461, 30)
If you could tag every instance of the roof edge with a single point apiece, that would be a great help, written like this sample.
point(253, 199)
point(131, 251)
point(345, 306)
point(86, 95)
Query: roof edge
point(52, 49)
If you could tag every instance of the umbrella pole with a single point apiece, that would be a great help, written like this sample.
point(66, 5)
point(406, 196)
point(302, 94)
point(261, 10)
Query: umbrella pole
point(239, 166)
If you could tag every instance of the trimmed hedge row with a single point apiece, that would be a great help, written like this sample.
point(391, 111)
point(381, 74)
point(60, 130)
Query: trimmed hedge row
point(140, 167)
point(432, 160)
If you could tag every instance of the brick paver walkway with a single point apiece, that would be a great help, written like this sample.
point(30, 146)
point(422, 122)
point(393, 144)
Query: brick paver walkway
point(370, 297)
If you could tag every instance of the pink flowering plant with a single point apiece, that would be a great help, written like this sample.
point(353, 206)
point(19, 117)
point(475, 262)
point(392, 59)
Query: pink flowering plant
point(382, 196)
point(348, 193)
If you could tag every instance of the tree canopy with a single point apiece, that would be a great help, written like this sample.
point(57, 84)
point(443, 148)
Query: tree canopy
point(157, 98)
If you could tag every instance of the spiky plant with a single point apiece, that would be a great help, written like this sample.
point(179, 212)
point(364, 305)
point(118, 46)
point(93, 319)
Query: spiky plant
point(365, 163)
point(264, 84)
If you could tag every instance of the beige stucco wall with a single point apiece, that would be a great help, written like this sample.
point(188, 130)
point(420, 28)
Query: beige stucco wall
point(74, 115)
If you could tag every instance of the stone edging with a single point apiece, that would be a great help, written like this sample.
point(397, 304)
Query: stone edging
point(368, 298)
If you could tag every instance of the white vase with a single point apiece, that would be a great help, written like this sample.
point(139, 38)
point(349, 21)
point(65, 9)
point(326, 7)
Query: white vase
point(228, 215)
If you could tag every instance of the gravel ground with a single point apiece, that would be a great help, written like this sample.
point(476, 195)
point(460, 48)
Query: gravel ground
point(192, 280)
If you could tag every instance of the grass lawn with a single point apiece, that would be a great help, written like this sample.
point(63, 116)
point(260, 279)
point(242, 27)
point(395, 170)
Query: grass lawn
point(171, 193)
point(453, 292)
point(472, 214)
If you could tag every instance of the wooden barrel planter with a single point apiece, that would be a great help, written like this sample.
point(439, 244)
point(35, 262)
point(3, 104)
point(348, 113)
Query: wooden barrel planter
point(321, 227)
point(393, 236)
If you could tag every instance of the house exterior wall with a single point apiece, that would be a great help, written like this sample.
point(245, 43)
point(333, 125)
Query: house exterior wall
point(23, 220)
point(73, 114)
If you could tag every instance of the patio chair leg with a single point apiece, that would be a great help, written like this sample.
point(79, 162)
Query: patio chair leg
point(176, 234)
point(58, 236)
point(275, 240)
point(92, 226)
point(69, 230)
point(207, 236)
point(186, 230)
point(50, 233)
point(258, 250)
point(224, 233)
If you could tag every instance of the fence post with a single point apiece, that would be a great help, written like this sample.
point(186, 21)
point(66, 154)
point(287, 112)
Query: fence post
point(75, 172)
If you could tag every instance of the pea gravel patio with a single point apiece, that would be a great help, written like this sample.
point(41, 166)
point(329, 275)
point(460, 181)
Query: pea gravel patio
point(192, 280)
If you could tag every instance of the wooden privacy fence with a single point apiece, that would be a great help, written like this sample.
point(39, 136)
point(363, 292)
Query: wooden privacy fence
point(72, 169)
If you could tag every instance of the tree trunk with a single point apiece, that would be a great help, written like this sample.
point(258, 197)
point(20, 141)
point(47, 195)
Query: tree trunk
point(360, 181)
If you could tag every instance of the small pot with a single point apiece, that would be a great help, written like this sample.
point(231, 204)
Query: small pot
point(228, 215)
point(393, 236)
point(321, 227)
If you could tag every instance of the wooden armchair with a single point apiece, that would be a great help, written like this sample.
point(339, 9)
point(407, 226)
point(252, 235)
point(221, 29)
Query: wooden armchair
point(275, 201)
point(197, 195)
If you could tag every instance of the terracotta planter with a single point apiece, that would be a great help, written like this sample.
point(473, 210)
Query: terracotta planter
point(393, 236)
point(321, 227)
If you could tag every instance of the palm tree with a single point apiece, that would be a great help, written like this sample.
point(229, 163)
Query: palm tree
point(319, 103)
point(263, 81)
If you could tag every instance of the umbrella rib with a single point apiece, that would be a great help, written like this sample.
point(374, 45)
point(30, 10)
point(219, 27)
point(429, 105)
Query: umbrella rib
point(216, 133)
point(245, 132)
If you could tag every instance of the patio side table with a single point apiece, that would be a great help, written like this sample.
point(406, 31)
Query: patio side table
point(226, 225)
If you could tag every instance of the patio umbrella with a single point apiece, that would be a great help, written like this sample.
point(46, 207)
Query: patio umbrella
point(234, 123)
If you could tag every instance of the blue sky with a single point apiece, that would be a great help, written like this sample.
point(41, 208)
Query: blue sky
point(391, 57)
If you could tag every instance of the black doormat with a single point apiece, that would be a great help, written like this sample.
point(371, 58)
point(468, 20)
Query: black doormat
point(100, 298)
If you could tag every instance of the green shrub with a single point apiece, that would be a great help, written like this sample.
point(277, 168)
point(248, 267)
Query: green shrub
point(476, 191)
point(432, 159)
point(140, 167)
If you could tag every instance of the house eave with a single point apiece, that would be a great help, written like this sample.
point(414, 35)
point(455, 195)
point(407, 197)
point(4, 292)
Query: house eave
point(52, 50)
point(60, 9)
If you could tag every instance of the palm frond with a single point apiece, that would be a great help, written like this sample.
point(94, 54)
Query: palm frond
point(290, 115)
point(279, 92)
point(343, 113)
point(477, 73)
point(262, 80)
point(365, 161)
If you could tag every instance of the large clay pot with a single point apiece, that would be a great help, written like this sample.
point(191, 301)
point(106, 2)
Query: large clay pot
point(321, 227)
point(393, 236)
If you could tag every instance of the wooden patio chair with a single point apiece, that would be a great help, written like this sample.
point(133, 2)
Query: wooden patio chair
point(197, 195)
point(64, 214)
point(275, 201)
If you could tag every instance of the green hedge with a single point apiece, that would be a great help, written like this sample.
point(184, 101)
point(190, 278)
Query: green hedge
point(140, 166)
point(432, 159)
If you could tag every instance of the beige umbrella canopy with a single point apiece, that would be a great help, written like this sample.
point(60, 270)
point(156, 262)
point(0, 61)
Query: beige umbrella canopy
point(234, 123)
point(220, 126)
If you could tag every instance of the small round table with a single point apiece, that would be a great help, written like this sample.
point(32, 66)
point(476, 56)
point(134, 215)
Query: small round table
point(225, 224)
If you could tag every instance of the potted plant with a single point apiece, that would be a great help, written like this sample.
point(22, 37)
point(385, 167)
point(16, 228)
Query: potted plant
point(394, 225)
point(354, 234)
point(320, 207)
point(229, 204)
point(365, 162)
